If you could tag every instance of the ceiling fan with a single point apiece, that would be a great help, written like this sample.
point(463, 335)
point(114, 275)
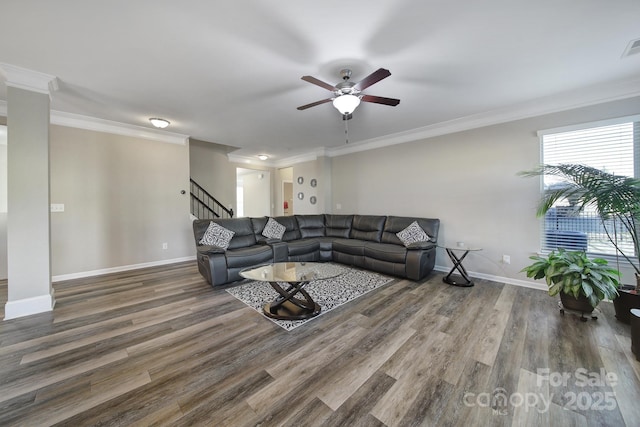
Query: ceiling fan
point(347, 94)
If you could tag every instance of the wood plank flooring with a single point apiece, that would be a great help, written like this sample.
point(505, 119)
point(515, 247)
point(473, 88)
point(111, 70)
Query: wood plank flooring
point(161, 347)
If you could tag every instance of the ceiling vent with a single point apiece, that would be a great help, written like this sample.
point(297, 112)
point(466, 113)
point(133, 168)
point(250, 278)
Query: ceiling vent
point(632, 47)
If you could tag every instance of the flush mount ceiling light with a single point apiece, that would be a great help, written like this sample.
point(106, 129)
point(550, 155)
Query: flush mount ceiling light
point(263, 157)
point(159, 123)
point(346, 104)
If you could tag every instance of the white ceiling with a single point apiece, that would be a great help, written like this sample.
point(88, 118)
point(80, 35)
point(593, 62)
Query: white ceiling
point(229, 71)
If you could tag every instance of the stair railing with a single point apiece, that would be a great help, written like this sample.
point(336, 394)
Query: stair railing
point(205, 206)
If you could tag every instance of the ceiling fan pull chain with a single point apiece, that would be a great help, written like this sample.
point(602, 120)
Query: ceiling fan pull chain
point(346, 131)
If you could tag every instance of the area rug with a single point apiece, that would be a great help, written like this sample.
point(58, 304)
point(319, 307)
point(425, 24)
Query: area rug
point(329, 294)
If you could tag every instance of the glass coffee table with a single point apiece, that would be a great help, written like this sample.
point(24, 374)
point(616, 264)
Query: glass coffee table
point(289, 279)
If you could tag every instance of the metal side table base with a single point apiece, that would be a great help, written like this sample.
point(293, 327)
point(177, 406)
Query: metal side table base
point(462, 280)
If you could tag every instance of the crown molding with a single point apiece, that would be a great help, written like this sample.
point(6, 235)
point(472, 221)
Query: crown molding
point(100, 125)
point(568, 100)
point(288, 161)
point(30, 80)
point(78, 121)
point(249, 160)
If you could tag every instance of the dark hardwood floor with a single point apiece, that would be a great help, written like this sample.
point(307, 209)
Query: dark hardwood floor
point(161, 347)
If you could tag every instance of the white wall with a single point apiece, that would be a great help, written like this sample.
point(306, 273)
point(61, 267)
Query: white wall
point(256, 192)
point(122, 201)
point(468, 180)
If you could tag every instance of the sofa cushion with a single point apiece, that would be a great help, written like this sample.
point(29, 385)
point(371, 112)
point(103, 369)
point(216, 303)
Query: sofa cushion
point(273, 229)
point(217, 235)
point(385, 252)
point(412, 234)
point(367, 227)
point(303, 246)
point(310, 225)
point(258, 225)
point(396, 224)
point(348, 246)
point(338, 225)
point(292, 232)
point(249, 256)
point(242, 228)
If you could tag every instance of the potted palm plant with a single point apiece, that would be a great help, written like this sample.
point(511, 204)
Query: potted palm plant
point(616, 200)
point(581, 282)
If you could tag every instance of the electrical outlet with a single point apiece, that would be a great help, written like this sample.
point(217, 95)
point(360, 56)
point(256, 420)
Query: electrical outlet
point(506, 259)
point(165, 246)
point(57, 207)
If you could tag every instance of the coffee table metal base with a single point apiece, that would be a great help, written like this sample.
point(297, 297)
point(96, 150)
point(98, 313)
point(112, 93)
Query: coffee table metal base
point(287, 306)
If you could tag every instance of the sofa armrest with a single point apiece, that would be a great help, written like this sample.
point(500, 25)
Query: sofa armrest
point(209, 249)
point(267, 241)
point(420, 262)
point(422, 245)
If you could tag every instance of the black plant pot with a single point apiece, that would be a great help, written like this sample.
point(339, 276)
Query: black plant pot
point(626, 300)
point(581, 304)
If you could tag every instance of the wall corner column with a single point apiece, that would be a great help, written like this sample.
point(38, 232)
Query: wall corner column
point(28, 192)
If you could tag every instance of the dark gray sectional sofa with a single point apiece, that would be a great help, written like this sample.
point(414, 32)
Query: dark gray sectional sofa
point(365, 241)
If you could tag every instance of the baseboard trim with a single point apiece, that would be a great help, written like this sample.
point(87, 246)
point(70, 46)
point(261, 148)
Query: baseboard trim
point(499, 279)
point(28, 306)
point(83, 274)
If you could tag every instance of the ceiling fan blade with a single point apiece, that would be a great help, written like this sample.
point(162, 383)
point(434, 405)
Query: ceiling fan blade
point(381, 100)
point(313, 104)
point(317, 82)
point(375, 77)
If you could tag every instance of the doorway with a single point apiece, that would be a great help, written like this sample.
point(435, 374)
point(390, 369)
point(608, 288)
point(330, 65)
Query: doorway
point(287, 197)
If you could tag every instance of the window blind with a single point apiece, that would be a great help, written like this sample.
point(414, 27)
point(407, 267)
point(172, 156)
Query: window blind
point(612, 148)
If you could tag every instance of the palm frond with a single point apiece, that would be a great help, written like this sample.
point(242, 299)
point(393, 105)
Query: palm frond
point(613, 197)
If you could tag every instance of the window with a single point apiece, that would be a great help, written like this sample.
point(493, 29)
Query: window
point(612, 146)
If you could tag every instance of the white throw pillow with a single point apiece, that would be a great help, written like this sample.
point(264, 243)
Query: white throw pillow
point(412, 234)
point(217, 235)
point(273, 229)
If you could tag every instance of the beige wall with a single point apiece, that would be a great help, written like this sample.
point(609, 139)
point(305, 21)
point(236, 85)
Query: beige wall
point(320, 170)
point(122, 198)
point(122, 201)
point(468, 180)
point(308, 171)
point(210, 167)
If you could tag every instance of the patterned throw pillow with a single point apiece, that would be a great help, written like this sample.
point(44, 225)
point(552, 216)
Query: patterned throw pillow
point(412, 234)
point(273, 229)
point(217, 235)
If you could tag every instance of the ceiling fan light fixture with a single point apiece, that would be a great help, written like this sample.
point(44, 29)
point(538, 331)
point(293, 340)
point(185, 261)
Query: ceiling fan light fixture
point(263, 157)
point(159, 123)
point(346, 103)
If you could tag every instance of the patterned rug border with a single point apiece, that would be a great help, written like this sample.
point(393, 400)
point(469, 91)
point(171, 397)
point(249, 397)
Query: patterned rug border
point(329, 294)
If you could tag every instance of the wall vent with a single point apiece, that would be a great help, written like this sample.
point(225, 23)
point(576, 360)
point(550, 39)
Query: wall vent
point(632, 47)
